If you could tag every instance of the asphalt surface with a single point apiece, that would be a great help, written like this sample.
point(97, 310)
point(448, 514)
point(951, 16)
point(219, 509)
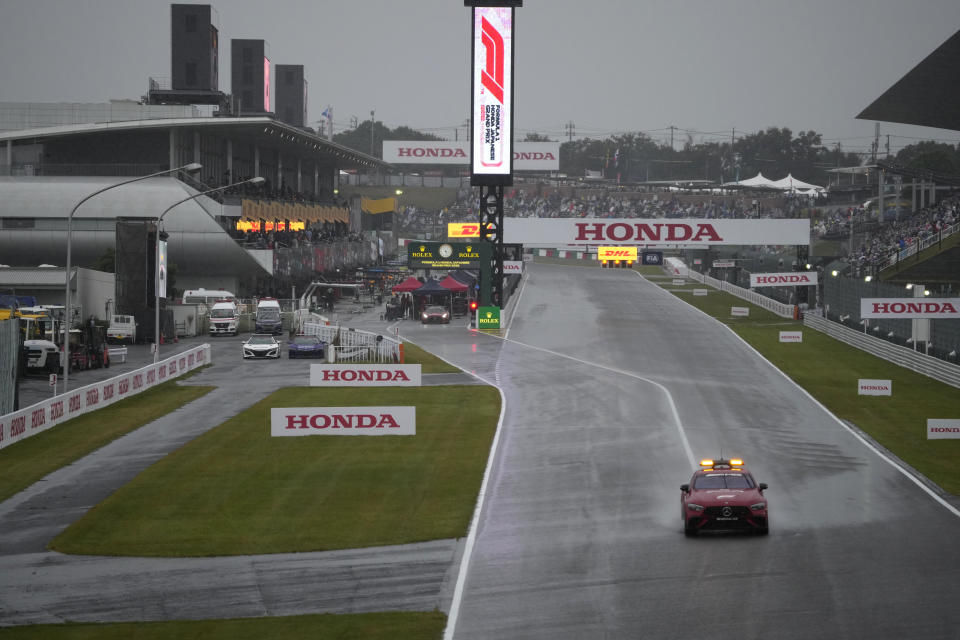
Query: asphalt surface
point(613, 389)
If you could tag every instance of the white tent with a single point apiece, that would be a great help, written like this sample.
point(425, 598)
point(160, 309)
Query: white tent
point(756, 182)
point(792, 184)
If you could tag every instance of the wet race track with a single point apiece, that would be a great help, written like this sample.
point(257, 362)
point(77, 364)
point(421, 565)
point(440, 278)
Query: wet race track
point(613, 390)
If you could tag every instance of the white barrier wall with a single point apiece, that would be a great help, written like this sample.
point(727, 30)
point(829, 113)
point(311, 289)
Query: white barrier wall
point(24, 423)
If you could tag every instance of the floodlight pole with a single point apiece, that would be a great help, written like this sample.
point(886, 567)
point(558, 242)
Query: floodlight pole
point(156, 259)
point(65, 353)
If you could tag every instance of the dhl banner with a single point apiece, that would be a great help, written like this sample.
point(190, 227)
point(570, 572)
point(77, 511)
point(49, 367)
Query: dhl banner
point(382, 205)
point(464, 229)
point(605, 254)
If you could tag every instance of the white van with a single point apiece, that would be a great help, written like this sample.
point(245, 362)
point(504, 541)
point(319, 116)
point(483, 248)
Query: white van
point(268, 318)
point(224, 317)
point(122, 329)
point(206, 297)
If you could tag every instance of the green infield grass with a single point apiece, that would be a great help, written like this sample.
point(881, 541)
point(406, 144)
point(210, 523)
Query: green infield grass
point(429, 363)
point(367, 626)
point(237, 490)
point(829, 369)
point(29, 460)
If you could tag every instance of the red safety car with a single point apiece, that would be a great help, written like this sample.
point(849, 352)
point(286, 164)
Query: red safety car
point(723, 496)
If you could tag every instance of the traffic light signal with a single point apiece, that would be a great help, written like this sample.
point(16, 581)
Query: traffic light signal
point(473, 305)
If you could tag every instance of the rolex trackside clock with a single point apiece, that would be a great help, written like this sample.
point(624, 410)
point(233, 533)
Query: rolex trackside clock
point(445, 251)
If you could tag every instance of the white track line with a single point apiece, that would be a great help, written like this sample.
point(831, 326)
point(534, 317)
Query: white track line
point(883, 456)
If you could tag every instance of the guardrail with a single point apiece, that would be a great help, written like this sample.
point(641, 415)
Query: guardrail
point(117, 352)
point(901, 356)
point(751, 296)
point(899, 256)
point(344, 339)
point(38, 417)
point(382, 353)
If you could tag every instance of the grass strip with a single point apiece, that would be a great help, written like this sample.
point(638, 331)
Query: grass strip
point(31, 459)
point(367, 626)
point(429, 363)
point(829, 370)
point(240, 491)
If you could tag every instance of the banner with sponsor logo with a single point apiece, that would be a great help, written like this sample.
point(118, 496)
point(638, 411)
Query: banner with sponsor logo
point(867, 387)
point(910, 308)
point(343, 421)
point(365, 375)
point(789, 279)
point(653, 258)
point(943, 429)
point(24, 423)
point(740, 312)
point(488, 318)
point(527, 156)
point(791, 336)
point(605, 254)
point(673, 232)
point(464, 229)
point(491, 105)
point(512, 267)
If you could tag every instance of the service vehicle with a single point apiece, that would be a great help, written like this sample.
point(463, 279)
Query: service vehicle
point(123, 328)
point(224, 317)
point(206, 298)
point(261, 345)
point(723, 496)
point(41, 339)
point(435, 314)
point(306, 347)
point(268, 319)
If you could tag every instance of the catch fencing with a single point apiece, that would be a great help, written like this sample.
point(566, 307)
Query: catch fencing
point(9, 353)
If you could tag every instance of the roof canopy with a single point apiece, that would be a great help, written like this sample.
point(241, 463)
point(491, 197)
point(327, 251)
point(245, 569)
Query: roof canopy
point(453, 284)
point(408, 285)
point(431, 286)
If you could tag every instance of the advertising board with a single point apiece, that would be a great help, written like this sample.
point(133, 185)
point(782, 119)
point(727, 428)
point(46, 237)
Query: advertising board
point(365, 375)
point(789, 279)
point(491, 148)
point(943, 308)
point(343, 421)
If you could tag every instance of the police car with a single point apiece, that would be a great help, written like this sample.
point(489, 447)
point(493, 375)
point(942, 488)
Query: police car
point(723, 496)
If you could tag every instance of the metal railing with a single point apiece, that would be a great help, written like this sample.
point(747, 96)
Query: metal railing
point(779, 308)
point(354, 345)
point(901, 356)
point(899, 256)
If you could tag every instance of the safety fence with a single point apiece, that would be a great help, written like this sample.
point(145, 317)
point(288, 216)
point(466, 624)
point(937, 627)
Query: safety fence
point(915, 248)
point(354, 345)
point(22, 424)
point(901, 356)
point(751, 296)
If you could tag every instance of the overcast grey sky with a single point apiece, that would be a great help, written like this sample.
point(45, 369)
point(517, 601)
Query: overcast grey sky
point(607, 66)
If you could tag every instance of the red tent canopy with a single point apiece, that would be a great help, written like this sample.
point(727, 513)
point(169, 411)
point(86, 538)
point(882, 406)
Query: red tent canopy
point(408, 285)
point(453, 284)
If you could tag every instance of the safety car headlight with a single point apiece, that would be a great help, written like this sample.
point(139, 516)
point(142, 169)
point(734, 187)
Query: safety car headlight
point(694, 507)
point(759, 506)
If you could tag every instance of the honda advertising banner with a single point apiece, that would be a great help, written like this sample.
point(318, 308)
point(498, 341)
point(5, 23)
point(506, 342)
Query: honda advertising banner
point(907, 308)
point(512, 267)
point(26, 422)
point(527, 156)
point(943, 429)
point(364, 375)
point(791, 336)
point(789, 279)
point(343, 421)
point(874, 387)
point(674, 232)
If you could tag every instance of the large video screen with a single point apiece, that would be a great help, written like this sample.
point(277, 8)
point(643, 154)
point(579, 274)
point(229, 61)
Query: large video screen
point(491, 156)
